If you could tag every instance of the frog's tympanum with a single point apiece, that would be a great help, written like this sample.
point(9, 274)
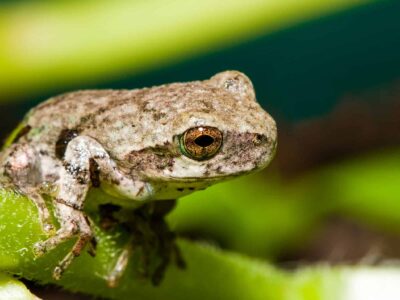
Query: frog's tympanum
point(141, 147)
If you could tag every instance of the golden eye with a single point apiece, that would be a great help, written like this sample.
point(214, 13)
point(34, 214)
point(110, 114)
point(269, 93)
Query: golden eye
point(201, 142)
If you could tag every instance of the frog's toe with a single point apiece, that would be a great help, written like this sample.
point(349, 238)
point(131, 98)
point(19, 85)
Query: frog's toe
point(63, 265)
point(39, 249)
point(57, 273)
point(49, 229)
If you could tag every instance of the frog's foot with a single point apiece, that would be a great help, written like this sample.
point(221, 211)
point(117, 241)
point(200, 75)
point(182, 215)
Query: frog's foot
point(159, 248)
point(74, 223)
point(156, 243)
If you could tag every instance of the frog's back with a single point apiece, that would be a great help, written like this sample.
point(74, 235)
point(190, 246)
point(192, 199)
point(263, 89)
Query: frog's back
point(70, 111)
point(67, 110)
point(114, 117)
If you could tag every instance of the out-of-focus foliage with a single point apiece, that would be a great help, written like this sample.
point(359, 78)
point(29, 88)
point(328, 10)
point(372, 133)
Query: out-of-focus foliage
point(59, 43)
point(12, 289)
point(264, 216)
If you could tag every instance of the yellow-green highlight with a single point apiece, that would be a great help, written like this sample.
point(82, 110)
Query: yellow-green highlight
point(47, 44)
point(13, 135)
point(12, 289)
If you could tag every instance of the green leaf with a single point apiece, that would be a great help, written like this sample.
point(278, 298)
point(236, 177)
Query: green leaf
point(210, 273)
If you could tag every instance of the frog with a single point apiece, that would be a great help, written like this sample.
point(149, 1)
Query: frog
point(139, 146)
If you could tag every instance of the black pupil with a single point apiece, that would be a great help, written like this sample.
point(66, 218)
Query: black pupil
point(204, 141)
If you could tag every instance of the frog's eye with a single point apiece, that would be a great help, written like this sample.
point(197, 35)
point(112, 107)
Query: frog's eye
point(201, 142)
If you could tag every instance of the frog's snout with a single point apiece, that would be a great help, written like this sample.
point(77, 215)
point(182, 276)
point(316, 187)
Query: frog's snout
point(265, 147)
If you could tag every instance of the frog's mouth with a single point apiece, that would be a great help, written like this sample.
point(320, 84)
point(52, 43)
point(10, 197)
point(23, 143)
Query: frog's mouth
point(176, 187)
point(208, 179)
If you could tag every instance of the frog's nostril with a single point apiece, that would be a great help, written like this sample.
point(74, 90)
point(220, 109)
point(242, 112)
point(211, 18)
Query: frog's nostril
point(259, 139)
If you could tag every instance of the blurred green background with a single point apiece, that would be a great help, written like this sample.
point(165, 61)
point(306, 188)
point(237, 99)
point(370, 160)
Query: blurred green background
point(327, 71)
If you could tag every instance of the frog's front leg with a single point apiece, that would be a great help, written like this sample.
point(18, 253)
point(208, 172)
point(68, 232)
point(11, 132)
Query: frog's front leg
point(86, 163)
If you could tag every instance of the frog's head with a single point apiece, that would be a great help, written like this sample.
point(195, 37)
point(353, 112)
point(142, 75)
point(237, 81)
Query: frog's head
point(218, 131)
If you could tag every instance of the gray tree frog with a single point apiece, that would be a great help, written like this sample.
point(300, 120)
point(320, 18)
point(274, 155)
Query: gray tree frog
point(138, 146)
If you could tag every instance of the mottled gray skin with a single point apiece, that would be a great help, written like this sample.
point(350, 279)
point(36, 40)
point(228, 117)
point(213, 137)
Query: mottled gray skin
point(128, 142)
